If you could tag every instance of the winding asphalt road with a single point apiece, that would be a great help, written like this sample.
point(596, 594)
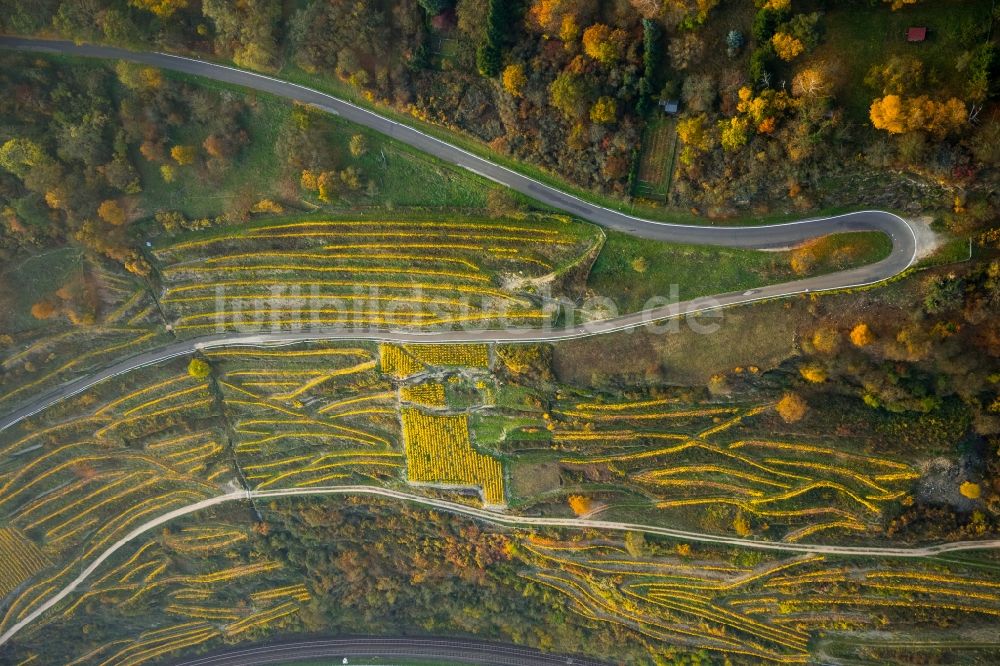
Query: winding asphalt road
point(775, 236)
point(904, 245)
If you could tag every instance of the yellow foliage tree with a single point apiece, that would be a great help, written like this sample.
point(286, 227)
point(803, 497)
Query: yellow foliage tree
point(734, 133)
point(267, 206)
point(791, 408)
point(514, 79)
point(786, 46)
point(550, 15)
point(742, 526)
point(691, 131)
point(569, 29)
point(184, 155)
point(604, 44)
point(812, 81)
point(136, 77)
point(580, 504)
point(813, 372)
point(111, 212)
point(970, 490)
point(198, 368)
point(861, 335)
point(604, 111)
point(899, 4)
point(162, 8)
point(826, 340)
point(168, 173)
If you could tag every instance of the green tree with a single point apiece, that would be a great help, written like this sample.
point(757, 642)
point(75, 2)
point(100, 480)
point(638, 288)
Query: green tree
point(435, 7)
point(568, 93)
point(246, 29)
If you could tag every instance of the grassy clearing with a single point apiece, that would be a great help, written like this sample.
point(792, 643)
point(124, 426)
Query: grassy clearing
point(633, 270)
point(761, 335)
point(404, 176)
point(254, 172)
point(32, 279)
point(873, 35)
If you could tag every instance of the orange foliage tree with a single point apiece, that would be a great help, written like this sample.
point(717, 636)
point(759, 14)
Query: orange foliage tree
point(861, 335)
point(897, 114)
point(111, 212)
point(579, 504)
point(162, 8)
point(184, 155)
point(43, 309)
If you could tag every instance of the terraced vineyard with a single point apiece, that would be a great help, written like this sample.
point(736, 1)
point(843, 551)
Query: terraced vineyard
point(402, 273)
point(307, 417)
point(21, 557)
point(761, 613)
point(678, 455)
point(78, 477)
point(193, 585)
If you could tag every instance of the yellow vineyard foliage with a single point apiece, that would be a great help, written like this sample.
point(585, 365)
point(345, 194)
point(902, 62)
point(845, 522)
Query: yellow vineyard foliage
point(470, 356)
point(21, 559)
point(397, 362)
point(430, 394)
point(438, 450)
